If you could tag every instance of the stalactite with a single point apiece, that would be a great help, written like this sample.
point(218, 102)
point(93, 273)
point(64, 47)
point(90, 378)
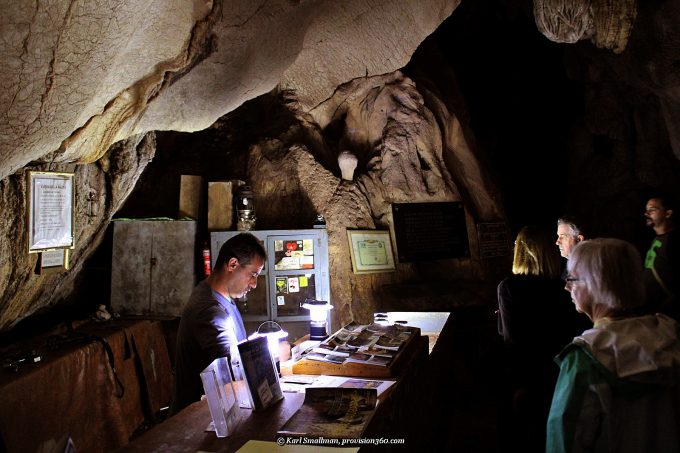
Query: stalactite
point(613, 21)
point(607, 23)
point(565, 21)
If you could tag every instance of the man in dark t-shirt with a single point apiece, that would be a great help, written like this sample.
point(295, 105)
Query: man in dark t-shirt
point(211, 324)
point(662, 263)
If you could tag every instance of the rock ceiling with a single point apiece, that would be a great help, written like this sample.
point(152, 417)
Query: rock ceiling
point(80, 76)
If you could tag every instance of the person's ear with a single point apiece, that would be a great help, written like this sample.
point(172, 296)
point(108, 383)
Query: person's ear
point(232, 264)
point(669, 213)
point(580, 238)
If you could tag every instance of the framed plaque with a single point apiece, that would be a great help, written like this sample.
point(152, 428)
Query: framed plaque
point(494, 240)
point(371, 251)
point(50, 211)
point(430, 231)
point(53, 261)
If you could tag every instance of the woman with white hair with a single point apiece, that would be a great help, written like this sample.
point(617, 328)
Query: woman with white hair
point(619, 383)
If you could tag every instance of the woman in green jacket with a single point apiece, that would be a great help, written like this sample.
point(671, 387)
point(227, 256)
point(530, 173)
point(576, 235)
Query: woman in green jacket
point(619, 383)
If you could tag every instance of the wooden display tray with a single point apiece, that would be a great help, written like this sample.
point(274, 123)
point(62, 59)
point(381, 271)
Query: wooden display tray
point(353, 369)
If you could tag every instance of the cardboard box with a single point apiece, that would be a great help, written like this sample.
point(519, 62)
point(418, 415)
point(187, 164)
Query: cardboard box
point(190, 197)
point(221, 215)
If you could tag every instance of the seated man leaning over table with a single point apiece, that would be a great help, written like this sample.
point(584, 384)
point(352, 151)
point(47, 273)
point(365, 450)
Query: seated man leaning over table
point(211, 324)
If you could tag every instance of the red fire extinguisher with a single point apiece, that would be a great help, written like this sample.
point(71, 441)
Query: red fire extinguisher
point(206, 260)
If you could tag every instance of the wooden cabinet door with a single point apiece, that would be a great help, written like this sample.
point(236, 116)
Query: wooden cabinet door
point(153, 266)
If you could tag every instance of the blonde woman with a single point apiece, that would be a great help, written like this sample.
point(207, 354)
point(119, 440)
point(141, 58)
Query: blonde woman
point(536, 320)
point(619, 384)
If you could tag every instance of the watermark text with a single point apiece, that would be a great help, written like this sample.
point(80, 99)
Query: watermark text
point(302, 440)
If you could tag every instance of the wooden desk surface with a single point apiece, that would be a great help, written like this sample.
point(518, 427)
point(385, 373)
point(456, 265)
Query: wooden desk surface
point(185, 431)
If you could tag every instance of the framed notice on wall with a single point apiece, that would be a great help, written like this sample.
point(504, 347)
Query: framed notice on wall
point(53, 261)
point(494, 240)
point(371, 251)
point(430, 231)
point(50, 211)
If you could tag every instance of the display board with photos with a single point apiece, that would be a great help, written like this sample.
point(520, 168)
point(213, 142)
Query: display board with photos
point(290, 289)
point(293, 254)
point(372, 350)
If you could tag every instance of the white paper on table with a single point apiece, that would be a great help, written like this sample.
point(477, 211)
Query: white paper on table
point(260, 446)
point(337, 381)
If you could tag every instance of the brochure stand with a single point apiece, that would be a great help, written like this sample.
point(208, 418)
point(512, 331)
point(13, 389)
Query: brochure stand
point(259, 372)
point(221, 396)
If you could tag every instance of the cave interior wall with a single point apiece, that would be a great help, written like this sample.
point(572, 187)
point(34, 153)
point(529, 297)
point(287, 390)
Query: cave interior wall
point(552, 128)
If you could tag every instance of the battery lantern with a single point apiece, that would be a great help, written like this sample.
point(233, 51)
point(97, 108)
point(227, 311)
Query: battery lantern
point(318, 314)
point(274, 333)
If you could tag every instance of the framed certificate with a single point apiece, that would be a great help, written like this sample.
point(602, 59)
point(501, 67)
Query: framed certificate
point(371, 251)
point(50, 211)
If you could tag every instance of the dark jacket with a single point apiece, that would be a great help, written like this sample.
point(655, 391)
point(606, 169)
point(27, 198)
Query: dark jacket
point(536, 319)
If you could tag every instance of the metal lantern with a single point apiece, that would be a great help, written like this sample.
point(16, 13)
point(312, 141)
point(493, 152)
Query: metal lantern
point(245, 209)
point(318, 314)
point(274, 334)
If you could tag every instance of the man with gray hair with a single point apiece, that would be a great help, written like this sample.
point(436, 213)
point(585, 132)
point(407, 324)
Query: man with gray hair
point(568, 235)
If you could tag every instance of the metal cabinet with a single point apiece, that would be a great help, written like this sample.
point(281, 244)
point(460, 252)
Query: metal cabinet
point(152, 267)
point(296, 268)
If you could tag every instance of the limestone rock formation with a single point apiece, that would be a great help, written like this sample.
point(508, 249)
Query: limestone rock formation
point(101, 188)
point(607, 23)
point(79, 76)
point(73, 72)
point(564, 21)
point(84, 81)
point(400, 146)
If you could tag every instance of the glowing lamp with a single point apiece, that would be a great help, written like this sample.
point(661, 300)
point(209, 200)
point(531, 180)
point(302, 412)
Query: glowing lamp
point(274, 334)
point(318, 313)
point(347, 162)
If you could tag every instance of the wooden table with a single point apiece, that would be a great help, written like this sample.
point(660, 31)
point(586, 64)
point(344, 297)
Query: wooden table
point(73, 392)
point(185, 432)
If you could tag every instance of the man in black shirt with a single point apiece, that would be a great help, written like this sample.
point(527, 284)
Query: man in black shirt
point(662, 263)
point(211, 325)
